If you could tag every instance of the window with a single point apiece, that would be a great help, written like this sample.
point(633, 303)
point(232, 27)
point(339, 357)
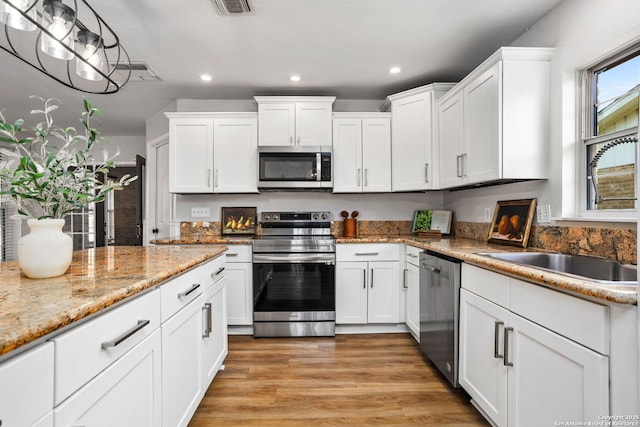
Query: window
point(610, 132)
point(9, 230)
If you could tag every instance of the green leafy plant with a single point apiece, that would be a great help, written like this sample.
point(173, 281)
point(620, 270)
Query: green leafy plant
point(46, 180)
point(422, 220)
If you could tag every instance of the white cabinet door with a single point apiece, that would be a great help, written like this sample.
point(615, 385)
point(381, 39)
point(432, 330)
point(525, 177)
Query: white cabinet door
point(568, 380)
point(276, 124)
point(384, 292)
point(412, 143)
point(191, 155)
point(235, 155)
point(351, 292)
point(313, 124)
point(239, 294)
point(376, 155)
point(347, 155)
point(412, 288)
point(181, 365)
point(481, 370)
point(26, 386)
point(451, 141)
point(126, 394)
point(214, 332)
point(482, 118)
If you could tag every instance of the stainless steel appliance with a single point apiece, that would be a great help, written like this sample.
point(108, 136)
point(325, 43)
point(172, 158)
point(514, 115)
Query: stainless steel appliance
point(296, 167)
point(294, 275)
point(439, 308)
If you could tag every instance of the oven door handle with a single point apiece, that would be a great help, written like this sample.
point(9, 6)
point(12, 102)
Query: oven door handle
point(294, 258)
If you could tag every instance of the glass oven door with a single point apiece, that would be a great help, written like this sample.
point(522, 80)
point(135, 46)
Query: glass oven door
point(294, 283)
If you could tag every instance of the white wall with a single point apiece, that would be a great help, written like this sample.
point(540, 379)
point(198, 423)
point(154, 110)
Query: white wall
point(158, 124)
point(582, 31)
point(129, 146)
point(396, 206)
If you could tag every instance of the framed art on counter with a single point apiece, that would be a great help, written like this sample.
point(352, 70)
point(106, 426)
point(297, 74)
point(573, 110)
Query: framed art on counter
point(237, 221)
point(512, 221)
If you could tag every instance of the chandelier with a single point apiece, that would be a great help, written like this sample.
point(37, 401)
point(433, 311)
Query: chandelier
point(68, 41)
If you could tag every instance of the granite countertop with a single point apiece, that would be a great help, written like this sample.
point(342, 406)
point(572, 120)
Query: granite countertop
point(97, 278)
point(467, 249)
point(207, 240)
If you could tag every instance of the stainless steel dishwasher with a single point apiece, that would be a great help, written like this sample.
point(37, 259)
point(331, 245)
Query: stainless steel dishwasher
point(439, 307)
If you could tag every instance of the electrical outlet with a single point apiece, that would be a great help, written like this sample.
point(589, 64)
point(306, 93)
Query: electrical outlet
point(544, 214)
point(487, 214)
point(200, 212)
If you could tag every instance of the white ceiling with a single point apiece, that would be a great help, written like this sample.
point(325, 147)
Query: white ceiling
point(339, 47)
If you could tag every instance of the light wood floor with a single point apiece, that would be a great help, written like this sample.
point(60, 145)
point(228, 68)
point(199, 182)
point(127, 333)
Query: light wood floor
point(358, 380)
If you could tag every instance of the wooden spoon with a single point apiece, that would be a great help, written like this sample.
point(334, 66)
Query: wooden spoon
point(344, 214)
point(355, 214)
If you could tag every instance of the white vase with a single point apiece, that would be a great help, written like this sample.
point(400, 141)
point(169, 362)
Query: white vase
point(46, 251)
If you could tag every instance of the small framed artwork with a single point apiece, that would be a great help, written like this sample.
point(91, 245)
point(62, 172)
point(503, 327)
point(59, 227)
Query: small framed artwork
point(512, 221)
point(427, 221)
point(236, 221)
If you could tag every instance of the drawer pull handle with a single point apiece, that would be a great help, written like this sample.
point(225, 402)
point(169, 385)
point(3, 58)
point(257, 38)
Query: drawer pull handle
point(141, 324)
point(364, 278)
point(367, 253)
point(189, 291)
point(412, 255)
point(496, 331)
point(231, 254)
point(208, 313)
point(506, 346)
point(220, 270)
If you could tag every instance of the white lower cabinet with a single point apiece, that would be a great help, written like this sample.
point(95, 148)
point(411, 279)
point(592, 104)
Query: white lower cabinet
point(239, 276)
point(26, 387)
point(520, 373)
point(367, 291)
point(181, 365)
point(127, 393)
point(411, 284)
point(214, 331)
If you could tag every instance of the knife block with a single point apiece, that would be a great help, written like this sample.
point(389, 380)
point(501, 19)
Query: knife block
point(350, 227)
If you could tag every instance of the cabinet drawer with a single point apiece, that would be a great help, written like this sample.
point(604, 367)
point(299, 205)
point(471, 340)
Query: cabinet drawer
point(26, 387)
point(582, 321)
point(178, 292)
point(213, 271)
point(85, 351)
point(413, 255)
point(368, 252)
point(487, 284)
point(238, 253)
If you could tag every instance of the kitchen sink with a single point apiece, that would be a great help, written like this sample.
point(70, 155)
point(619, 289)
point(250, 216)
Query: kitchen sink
point(597, 269)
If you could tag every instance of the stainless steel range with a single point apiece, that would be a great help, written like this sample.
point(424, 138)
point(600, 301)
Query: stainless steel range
point(294, 275)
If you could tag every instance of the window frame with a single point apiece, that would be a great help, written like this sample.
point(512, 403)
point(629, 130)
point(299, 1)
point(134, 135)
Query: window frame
point(586, 117)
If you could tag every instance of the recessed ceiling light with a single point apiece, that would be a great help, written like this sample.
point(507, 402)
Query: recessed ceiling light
point(395, 70)
point(295, 78)
point(205, 77)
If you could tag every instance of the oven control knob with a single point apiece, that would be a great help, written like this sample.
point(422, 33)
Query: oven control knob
point(315, 217)
point(325, 216)
point(266, 217)
point(276, 217)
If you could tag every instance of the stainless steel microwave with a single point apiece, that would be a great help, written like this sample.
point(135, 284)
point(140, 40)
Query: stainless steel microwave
point(294, 167)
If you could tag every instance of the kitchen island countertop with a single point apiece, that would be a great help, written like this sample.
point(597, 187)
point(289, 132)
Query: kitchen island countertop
point(31, 309)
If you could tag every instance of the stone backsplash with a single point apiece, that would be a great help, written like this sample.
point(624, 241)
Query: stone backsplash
point(618, 244)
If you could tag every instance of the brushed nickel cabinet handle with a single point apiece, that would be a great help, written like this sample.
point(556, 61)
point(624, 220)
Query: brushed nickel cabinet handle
point(367, 253)
point(359, 176)
point(364, 278)
point(366, 177)
point(189, 291)
point(372, 278)
point(496, 344)
point(208, 314)
point(506, 347)
point(220, 270)
point(141, 324)
point(208, 177)
point(459, 166)
point(231, 254)
point(426, 173)
point(404, 278)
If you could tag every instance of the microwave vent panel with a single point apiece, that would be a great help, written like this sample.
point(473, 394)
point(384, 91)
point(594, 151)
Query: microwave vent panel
point(233, 7)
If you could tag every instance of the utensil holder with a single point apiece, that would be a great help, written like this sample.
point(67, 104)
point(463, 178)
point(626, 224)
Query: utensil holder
point(350, 227)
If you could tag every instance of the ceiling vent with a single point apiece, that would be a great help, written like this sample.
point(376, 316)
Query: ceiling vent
point(232, 7)
point(140, 72)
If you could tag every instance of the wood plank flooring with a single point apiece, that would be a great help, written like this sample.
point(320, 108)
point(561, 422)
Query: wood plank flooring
point(348, 380)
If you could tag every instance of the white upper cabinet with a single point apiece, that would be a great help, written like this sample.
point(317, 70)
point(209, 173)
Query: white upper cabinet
point(294, 121)
point(235, 155)
point(494, 123)
point(414, 137)
point(213, 153)
point(361, 153)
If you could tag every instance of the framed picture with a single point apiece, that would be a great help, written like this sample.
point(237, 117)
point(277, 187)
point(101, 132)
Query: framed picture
point(422, 220)
point(238, 221)
point(512, 221)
